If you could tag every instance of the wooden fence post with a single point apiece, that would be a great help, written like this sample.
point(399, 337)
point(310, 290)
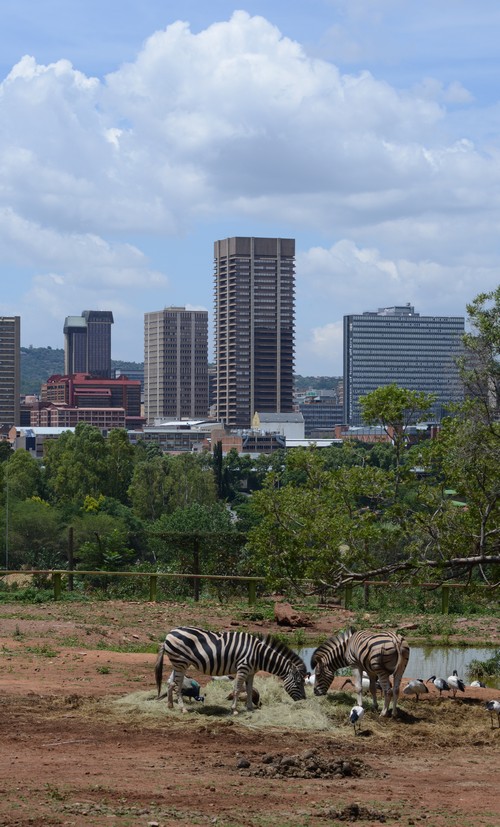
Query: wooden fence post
point(348, 596)
point(153, 587)
point(366, 595)
point(445, 599)
point(71, 560)
point(196, 568)
point(57, 583)
point(252, 592)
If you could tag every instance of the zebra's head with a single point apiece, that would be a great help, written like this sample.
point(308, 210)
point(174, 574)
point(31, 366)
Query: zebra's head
point(323, 676)
point(294, 682)
point(327, 658)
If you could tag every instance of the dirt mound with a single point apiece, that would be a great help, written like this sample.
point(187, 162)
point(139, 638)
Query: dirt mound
point(309, 764)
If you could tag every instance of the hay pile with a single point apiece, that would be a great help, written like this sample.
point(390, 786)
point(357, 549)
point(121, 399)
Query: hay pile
point(277, 710)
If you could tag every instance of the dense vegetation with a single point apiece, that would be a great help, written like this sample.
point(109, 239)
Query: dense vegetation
point(307, 518)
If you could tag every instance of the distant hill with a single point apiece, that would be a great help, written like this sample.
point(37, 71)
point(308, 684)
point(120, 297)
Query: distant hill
point(303, 383)
point(38, 363)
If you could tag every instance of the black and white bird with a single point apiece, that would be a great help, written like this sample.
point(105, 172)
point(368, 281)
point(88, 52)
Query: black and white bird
point(455, 683)
point(355, 716)
point(478, 684)
point(416, 688)
point(365, 683)
point(439, 683)
point(310, 679)
point(492, 707)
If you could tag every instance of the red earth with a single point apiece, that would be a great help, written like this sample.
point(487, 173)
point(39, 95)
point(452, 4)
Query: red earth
point(73, 754)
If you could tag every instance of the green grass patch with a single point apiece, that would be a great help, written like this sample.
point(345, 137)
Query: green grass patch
point(44, 651)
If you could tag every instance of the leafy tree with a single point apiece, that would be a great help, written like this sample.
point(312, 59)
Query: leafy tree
point(35, 535)
point(200, 539)
point(76, 464)
point(22, 476)
point(480, 364)
point(189, 481)
point(149, 488)
point(321, 523)
point(395, 409)
point(5, 451)
point(120, 464)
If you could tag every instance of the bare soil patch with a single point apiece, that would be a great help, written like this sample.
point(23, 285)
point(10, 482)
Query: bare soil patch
point(84, 742)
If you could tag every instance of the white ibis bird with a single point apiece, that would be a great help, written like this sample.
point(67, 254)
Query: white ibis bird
point(365, 683)
point(455, 683)
point(416, 688)
point(478, 684)
point(355, 716)
point(439, 683)
point(492, 707)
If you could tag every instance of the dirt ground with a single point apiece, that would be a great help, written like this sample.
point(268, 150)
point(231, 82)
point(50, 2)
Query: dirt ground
point(84, 742)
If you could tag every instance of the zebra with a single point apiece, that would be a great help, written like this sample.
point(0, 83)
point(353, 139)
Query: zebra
point(380, 654)
point(222, 653)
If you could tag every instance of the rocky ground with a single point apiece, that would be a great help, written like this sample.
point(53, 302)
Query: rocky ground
point(84, 742)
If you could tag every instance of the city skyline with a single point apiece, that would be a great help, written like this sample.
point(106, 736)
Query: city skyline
point(134, 136)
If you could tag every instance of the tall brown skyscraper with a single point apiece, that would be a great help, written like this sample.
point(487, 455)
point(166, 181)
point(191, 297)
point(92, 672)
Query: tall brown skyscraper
point(254, 327)
point(176, 364)
point(10, 369)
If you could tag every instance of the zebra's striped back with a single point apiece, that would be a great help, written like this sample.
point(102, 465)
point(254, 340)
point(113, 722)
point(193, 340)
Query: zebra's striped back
point(223, 653)
point(379, 654)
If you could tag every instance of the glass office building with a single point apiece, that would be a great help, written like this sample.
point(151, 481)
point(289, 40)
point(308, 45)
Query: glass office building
point(397, 345)
point(10, 369)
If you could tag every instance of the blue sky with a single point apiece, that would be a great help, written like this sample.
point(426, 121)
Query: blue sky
point(133, 134)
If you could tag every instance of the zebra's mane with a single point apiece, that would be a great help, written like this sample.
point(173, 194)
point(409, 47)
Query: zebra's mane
point(324, 648)
point(282, 649)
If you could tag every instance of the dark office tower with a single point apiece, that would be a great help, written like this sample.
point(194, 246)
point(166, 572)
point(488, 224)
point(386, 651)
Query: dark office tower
point(87, 343)
point(176, 364)
point(397, 345)
point(10, 369)
point(254, 327)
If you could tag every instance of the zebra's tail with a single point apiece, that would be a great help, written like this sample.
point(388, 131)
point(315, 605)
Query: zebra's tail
point(159, 668)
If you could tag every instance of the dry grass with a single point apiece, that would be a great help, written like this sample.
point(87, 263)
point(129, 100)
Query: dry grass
point(442, 721)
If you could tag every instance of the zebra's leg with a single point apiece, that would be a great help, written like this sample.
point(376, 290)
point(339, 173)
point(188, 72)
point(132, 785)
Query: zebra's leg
point(395, 693)
point(373, 691)
point(249, 686)
point(239, 684)
point(386, 690)
point(177, 683)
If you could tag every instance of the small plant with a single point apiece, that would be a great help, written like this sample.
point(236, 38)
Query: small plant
point(44, 651)
point(54, 793)
point(485, 668)
point(103, 670)
point(17, 632)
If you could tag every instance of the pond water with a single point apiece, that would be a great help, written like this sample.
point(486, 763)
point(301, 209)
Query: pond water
point(437, 660)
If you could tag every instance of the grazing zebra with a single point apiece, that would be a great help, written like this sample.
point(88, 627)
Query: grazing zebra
point(380, 654)
point(222, 653)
